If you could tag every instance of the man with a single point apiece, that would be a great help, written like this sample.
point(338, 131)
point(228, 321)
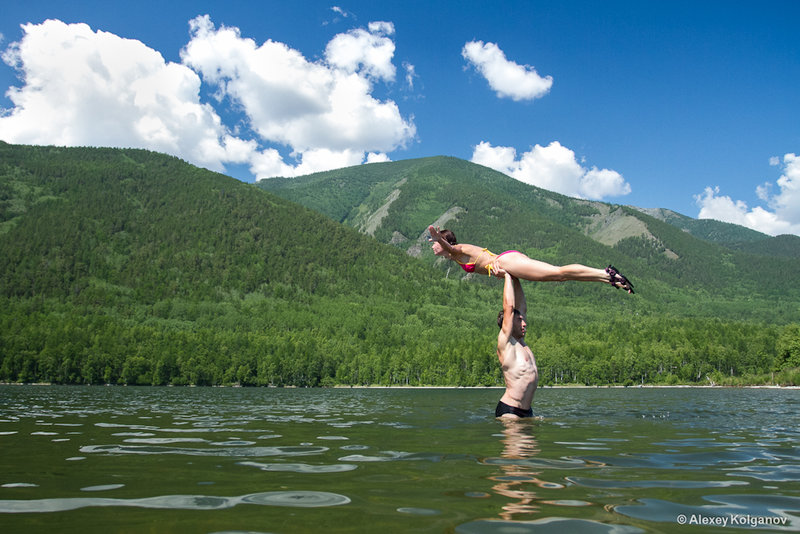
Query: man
point(516, 358)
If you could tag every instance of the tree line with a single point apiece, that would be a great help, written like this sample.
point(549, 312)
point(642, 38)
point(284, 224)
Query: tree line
point(129, 267)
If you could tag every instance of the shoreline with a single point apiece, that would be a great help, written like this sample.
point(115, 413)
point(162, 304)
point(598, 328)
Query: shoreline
point(566, 386)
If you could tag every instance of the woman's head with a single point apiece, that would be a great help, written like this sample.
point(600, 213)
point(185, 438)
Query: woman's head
point(449, 236)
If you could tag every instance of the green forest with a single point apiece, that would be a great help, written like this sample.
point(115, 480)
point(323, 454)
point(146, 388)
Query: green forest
point(123, 266)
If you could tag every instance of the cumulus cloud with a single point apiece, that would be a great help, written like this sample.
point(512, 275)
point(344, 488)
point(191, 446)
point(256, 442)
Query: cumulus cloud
point(506, 78)
point(85, 87)
point(324, 111)
point(369, 51)
point(553, 167)
point(782, 215)
point(377, 157)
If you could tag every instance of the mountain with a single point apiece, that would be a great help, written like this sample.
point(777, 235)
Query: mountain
point(132, 267)
point(136, 223)
point(730, 235)
point(707, 229)
point(664, 251)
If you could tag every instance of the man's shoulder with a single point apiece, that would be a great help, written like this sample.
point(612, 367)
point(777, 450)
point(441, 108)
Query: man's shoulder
point(506, 339)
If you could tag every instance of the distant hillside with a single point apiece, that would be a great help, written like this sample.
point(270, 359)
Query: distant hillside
point(76, 220)
point(130, 267)
point(782, 245)
point(730, 235)
point(395, 202)
point(707, 229)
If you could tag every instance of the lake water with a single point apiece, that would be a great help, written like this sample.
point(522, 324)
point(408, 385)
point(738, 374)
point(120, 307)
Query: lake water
point(115, 459)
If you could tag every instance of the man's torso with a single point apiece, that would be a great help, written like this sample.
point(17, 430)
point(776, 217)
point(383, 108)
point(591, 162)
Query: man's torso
point(520, 373)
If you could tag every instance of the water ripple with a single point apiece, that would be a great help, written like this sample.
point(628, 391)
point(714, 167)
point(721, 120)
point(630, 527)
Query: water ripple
point(294, 499)
point(543, 463)
point(234, 451)
point(769, 473)
point(685, 484)
point(554, 525)
point(106, 487)
point(418, 511)
point(301, 468)
point(695, 460)
point(164, 441)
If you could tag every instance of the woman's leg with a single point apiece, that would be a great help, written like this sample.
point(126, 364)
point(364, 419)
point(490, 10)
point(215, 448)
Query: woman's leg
point(519, 265)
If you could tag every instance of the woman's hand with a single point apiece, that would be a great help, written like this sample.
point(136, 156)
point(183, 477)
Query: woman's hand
point(436, 238)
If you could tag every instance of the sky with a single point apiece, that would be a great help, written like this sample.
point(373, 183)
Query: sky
point(690, 106)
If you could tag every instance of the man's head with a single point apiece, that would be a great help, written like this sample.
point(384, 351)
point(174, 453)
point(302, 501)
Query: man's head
point(518, 326)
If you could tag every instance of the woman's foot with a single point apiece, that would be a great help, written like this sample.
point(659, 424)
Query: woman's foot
point(617, 280)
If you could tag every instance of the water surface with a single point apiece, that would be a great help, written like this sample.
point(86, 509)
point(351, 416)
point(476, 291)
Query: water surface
point(100, 459)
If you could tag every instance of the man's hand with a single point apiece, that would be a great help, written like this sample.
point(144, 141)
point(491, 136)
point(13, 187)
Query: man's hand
point(498, 271)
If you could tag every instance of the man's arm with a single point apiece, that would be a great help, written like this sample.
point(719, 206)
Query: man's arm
point(509, 303)
point(504, 337)
point(519, 298)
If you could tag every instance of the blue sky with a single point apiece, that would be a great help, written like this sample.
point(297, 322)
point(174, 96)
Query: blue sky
point(691, 106)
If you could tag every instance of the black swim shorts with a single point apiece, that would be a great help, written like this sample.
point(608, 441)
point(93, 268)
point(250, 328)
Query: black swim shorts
point(503, 408)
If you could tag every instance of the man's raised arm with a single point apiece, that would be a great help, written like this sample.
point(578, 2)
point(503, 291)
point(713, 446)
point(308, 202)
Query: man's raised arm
point(509, 304)
point(519, 298)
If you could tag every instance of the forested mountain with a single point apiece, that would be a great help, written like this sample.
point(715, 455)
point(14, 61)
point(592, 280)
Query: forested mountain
point(730, 235)
point(131, 267)
point(395, 201)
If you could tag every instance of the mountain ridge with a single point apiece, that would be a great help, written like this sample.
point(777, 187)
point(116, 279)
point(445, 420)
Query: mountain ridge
point(126, 266)
point(484, 206)
point(731, 235)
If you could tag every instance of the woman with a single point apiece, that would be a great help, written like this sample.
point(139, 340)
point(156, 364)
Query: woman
point(474, 259)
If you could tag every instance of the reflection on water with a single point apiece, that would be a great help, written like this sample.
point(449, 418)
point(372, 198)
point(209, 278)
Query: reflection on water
point(599, 460)
point(516, 478)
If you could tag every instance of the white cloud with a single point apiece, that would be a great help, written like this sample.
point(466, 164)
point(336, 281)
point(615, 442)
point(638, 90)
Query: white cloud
point(377, 157)
point(94, 88)
point(553, 167)
point(411, 73)
point(371, 51)
point(506, 78)
point(324, 111)
point(783, 215)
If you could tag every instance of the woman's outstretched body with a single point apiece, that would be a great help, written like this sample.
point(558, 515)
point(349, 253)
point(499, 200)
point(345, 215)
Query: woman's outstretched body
point(479, 260)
